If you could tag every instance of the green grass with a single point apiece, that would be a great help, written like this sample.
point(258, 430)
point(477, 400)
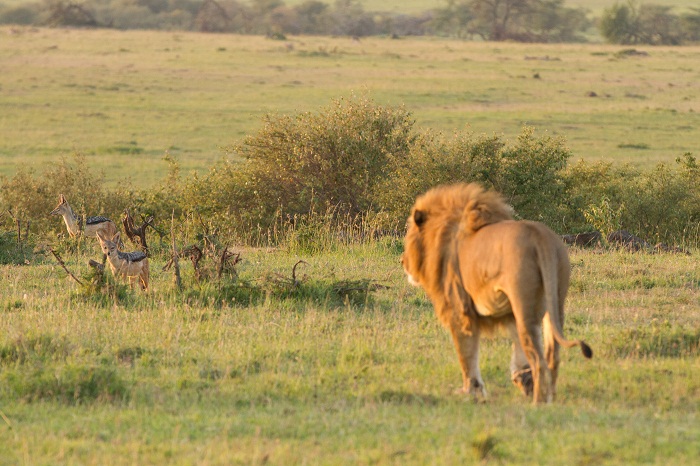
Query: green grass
point(304, 377)
point(124, 99)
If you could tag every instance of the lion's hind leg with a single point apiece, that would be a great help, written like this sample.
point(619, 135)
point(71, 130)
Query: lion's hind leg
point(551, 349)
point(530, 337)
point(520, 371)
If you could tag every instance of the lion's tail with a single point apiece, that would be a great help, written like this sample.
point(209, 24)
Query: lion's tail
point(549, 261)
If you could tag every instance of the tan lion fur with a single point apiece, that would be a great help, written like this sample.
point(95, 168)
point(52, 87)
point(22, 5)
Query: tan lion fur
point(481, 270)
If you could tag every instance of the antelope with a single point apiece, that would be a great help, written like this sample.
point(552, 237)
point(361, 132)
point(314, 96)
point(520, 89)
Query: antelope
point(132, 265)
point(93, 225)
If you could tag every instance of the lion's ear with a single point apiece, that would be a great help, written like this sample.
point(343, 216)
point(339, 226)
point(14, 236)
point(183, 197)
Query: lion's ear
point(419, 217)
point(477, 216)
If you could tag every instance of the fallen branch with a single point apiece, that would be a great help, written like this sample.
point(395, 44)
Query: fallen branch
point(62, 264)
point(97, 266)
point(285, 282)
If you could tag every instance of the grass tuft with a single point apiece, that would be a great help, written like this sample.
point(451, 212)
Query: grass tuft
point(484, 446)
point(657, 341)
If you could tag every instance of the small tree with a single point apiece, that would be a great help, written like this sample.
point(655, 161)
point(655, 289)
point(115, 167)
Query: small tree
point(619, 24)
point(690, 25)
point(453, 19)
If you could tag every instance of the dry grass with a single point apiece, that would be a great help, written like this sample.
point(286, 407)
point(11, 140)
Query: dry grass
point(125, 98)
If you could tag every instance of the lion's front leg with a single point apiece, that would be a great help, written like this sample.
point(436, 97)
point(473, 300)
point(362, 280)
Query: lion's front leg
point(467, 346)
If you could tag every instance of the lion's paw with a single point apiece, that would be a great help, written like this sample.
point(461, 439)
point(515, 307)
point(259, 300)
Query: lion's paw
point(523, 380)
point(475, 390)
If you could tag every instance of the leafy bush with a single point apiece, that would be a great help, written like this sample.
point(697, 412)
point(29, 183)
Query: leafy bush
point(335, 159)
point(603, 217)
point(635, 23)
point(31, 197)
point(313, 181)
point(587, 185)
point(662, 204)
point(528, 173)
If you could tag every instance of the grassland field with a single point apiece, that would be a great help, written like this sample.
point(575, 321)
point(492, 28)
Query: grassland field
point(124, 99)
point(308, 377)
point(250, 371)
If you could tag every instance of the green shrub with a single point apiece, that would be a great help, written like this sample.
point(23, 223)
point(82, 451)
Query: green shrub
point(311, 161)
point(32, 196)
point(663, 204)
point(587, 185)
point(603, 217)
point(528, 173)
point(312, 181)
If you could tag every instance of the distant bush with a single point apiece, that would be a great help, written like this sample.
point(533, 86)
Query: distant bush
point(522, 20)
point(20, 15)
point(663, 204)
point(636, 23)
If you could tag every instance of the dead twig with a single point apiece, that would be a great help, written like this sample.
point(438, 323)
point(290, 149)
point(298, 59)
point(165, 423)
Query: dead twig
point(225, 256)
point(137, 235)
point(176, 263)
point(62, 264)
point(6, 419)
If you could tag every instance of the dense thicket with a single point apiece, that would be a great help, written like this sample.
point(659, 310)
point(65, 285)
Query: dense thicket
point(497, 20)
point(358, 166)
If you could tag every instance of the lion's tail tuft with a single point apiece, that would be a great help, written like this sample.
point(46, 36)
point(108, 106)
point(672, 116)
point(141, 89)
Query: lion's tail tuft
point(585, 349)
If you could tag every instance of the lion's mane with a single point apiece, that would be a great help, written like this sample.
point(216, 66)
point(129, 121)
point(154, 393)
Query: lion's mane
point(454, 211)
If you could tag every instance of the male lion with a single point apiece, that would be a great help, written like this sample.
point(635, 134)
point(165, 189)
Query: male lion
point(481, 270)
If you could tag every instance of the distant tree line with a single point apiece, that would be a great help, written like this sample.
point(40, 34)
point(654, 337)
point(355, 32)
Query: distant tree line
point(495, 20)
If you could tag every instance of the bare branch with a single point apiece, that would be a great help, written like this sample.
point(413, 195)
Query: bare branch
point(62, 264)
point(176, 263)
point(137, 235)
